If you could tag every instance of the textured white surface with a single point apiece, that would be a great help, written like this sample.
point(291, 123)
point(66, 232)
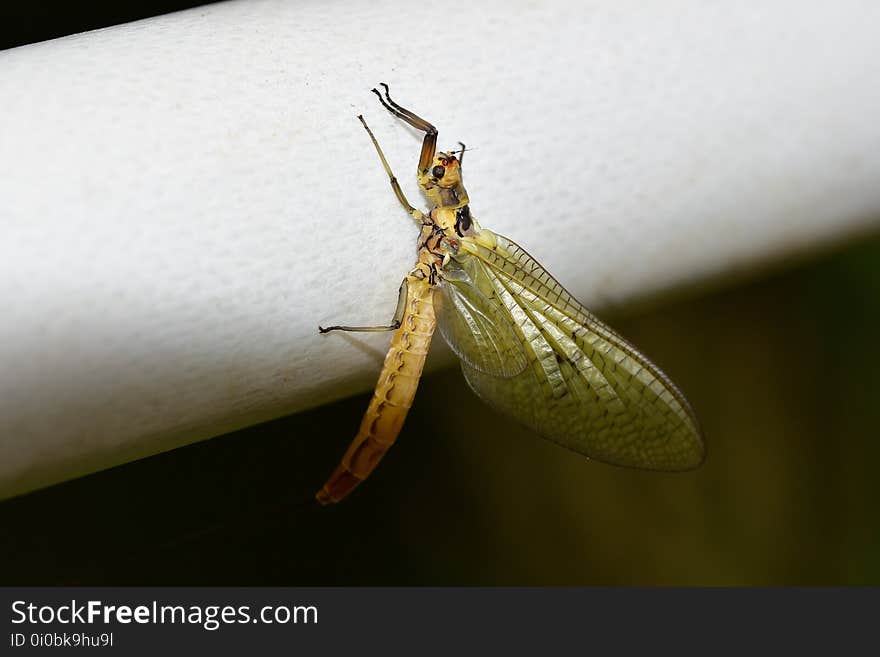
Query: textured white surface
point(184, 199)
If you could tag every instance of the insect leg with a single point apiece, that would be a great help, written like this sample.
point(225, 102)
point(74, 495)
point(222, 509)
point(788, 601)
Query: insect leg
point(359, 329)
point(429, 145)
point(393, 326)
point(416, 214)
point(393, 396)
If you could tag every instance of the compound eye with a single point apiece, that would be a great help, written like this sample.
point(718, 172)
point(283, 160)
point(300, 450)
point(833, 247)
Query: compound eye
point(438, 172)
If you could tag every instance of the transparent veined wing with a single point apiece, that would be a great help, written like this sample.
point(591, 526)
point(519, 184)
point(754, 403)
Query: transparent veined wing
point(475, 324)
point(583, 386)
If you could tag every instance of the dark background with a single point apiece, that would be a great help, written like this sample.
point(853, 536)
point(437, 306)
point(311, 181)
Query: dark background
point(781, 368)
point(32, 21)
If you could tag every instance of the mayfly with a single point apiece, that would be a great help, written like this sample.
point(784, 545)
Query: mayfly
point(527, 347)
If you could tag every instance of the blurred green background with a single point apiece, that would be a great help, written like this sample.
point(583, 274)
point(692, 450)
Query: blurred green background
point(781, 371)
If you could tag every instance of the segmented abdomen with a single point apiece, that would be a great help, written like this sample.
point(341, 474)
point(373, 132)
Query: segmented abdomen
point(393, 396)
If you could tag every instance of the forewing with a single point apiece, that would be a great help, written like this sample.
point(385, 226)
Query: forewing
point(474, 323)
point(584, 386)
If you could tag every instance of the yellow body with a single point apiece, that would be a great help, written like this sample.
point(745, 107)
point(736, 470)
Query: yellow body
point(526, 345)
point(394, 393)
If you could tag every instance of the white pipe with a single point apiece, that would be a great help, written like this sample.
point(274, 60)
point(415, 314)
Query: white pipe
point(184, 199)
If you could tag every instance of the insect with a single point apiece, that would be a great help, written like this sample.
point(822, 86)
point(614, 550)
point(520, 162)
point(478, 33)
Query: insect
point(527, 347)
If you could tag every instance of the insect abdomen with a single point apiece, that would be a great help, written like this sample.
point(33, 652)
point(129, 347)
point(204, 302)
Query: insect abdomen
point(393, 396)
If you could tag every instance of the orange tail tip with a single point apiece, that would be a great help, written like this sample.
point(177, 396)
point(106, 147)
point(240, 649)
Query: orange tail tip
point(340, 484)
